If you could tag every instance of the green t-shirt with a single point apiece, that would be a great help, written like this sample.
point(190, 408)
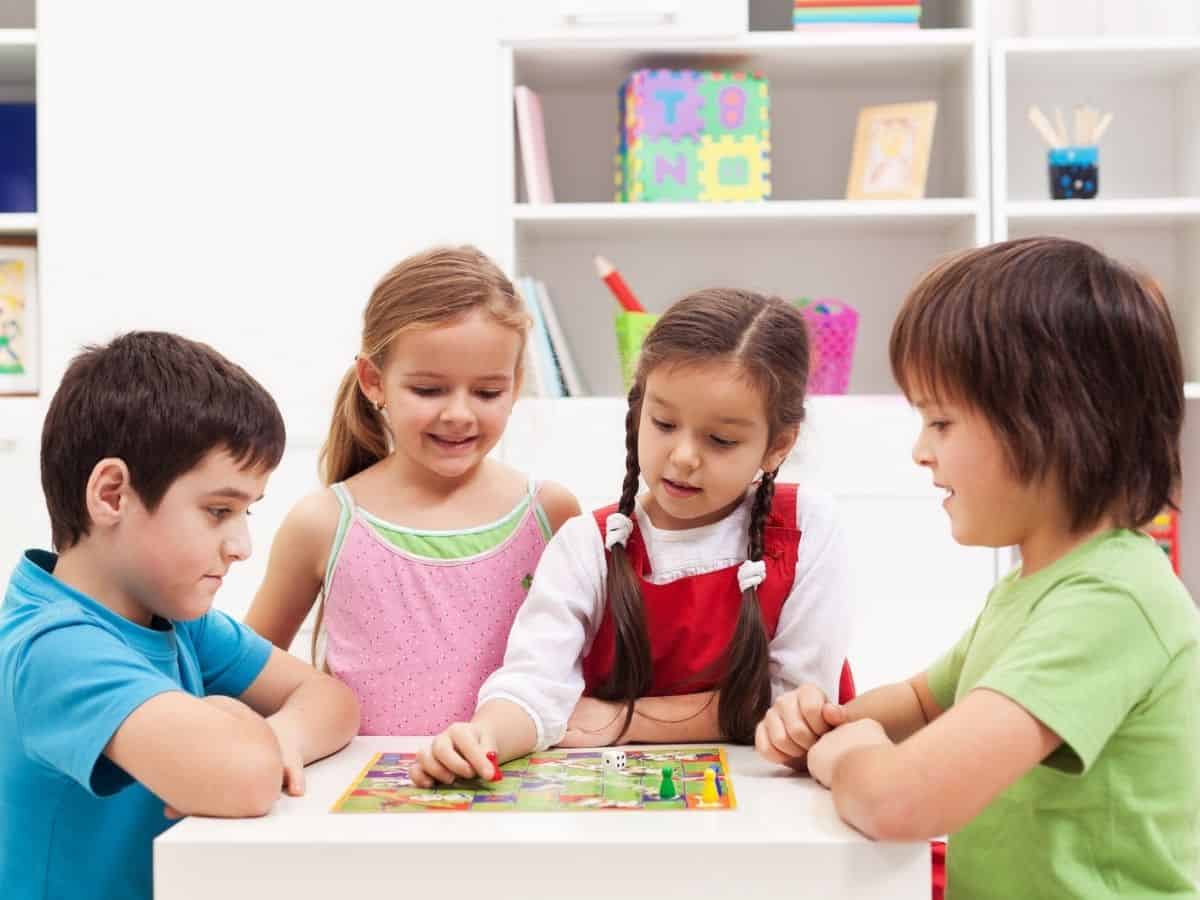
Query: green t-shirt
point(1103, 647)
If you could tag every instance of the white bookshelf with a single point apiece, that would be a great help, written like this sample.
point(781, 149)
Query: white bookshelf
point(18, 83)
point(806, 240)
point(20, 416)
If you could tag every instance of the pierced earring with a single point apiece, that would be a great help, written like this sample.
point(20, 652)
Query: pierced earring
point(378, 407)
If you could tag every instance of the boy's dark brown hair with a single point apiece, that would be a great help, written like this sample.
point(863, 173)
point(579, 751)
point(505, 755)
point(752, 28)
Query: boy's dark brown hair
point(158, 401)
point(767, 338)
point(1073, 359)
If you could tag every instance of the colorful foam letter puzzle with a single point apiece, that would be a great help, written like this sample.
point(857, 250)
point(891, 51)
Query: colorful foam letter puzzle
point(689, 135)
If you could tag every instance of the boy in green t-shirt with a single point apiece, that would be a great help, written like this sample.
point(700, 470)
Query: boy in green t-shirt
point(1059, 741)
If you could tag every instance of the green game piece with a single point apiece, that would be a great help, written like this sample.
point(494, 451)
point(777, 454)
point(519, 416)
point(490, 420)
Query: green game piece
point(667, 790)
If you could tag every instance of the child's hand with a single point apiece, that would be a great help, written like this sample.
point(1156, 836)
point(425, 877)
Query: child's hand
point(794, 723)
point(594, 723)
point(461, 751)
point(825, 753)
point(293, 758)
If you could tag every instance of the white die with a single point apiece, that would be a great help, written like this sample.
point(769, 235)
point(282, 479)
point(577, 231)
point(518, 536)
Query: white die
point(613, 760)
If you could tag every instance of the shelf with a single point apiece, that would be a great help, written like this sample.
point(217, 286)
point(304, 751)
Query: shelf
point(18, 51)
point(787, 56)
point(578, 219)
point(1147, 58)
point(18, 224)
point(1160, 211)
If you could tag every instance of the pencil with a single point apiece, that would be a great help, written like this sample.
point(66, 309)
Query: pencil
point(610, 276)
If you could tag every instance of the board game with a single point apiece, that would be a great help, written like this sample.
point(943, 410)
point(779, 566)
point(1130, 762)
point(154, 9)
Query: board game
point(554, 780)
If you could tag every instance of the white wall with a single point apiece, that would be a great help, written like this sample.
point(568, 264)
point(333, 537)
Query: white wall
point(243, 173)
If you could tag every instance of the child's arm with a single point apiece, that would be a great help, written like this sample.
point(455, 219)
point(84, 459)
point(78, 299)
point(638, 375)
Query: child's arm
point(558, 504)
point(798, 718)
point(200, 757)
point(311, 714)
point(90, 707)
point(296, 569)
point(902, 709)
point(1060, 687)
point(656, 720)
point(937, 780)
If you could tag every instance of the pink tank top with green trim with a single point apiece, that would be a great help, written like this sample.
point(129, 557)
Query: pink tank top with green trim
point(415, 636)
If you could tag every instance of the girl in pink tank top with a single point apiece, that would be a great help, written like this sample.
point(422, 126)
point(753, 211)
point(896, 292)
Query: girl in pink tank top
point(421, 549)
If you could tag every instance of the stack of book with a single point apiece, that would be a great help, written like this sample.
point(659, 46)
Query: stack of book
point(855, 15)
point(550, 369)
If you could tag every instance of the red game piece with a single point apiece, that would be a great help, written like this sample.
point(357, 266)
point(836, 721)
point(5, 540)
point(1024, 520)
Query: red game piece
point(496, 776)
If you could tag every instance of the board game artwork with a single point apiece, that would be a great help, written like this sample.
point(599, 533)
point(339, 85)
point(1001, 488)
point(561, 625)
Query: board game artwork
point(661, 778)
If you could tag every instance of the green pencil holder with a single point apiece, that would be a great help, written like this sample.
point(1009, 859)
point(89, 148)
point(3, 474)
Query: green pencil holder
point(632, 328)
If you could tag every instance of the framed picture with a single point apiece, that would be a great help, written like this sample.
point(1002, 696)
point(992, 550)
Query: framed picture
point(19, 319)
point(891, 151)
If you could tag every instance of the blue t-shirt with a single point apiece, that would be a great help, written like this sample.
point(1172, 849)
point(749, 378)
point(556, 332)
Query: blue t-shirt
point(73, 824)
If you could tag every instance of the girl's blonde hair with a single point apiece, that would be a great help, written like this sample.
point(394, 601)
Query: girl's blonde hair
point(436, 287)
point(768, 340)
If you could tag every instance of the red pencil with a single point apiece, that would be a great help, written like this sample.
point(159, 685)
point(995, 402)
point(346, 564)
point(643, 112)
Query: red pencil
point(610, 276)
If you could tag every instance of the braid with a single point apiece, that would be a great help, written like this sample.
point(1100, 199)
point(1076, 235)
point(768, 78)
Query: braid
point(758, 514)
point(633, 468)
point(632, 671)
point(746, 684)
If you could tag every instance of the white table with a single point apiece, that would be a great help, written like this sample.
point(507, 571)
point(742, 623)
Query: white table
point(783, 840)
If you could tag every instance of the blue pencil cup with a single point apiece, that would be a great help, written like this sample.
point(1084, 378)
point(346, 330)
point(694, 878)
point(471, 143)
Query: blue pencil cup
point(1074, 173)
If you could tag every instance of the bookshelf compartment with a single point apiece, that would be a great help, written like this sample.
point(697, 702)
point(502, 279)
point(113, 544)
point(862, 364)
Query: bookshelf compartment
point(868, 263)
point(817, 86)
point(1152, 87)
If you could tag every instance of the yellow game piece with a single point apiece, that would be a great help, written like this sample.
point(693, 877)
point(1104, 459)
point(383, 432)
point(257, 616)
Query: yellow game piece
point(708, 794)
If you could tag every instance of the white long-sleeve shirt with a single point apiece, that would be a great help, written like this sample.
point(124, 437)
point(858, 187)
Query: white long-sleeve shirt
point(554, 629)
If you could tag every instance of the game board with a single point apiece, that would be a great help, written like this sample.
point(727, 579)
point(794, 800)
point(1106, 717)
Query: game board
point(554, 780)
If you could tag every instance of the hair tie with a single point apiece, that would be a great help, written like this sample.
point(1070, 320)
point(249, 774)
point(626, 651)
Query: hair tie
point(617, 529)
point(751, 574)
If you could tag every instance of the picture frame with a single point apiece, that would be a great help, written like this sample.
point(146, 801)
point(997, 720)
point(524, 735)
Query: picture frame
point(890, 160)
point(20, 320)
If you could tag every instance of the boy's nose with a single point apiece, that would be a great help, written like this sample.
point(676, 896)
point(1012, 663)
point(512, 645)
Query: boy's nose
point(237, 545)
point(920, 453)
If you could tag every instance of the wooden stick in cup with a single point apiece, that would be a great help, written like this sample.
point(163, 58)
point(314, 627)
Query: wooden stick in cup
point(1039, 121)
point(1063, 136)
point(1099, 130)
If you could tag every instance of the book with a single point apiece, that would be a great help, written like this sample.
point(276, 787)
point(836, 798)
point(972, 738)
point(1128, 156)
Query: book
point(550, 378)
point(804, 4)
point(572, 377)
point(531, 384)
point(531, 132)
point(855, 26)
point(857, 14)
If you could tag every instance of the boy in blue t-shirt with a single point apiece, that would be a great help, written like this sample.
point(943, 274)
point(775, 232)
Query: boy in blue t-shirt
point(125, 699)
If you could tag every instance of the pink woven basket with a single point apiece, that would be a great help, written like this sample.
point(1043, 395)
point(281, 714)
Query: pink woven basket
point(832, 327)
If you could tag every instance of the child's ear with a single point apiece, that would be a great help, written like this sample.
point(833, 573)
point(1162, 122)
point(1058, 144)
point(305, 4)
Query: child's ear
point(779, 449)
point(370, 380)
point(108, 491)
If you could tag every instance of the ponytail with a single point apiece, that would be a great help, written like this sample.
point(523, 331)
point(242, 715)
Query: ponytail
point(357, 436)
